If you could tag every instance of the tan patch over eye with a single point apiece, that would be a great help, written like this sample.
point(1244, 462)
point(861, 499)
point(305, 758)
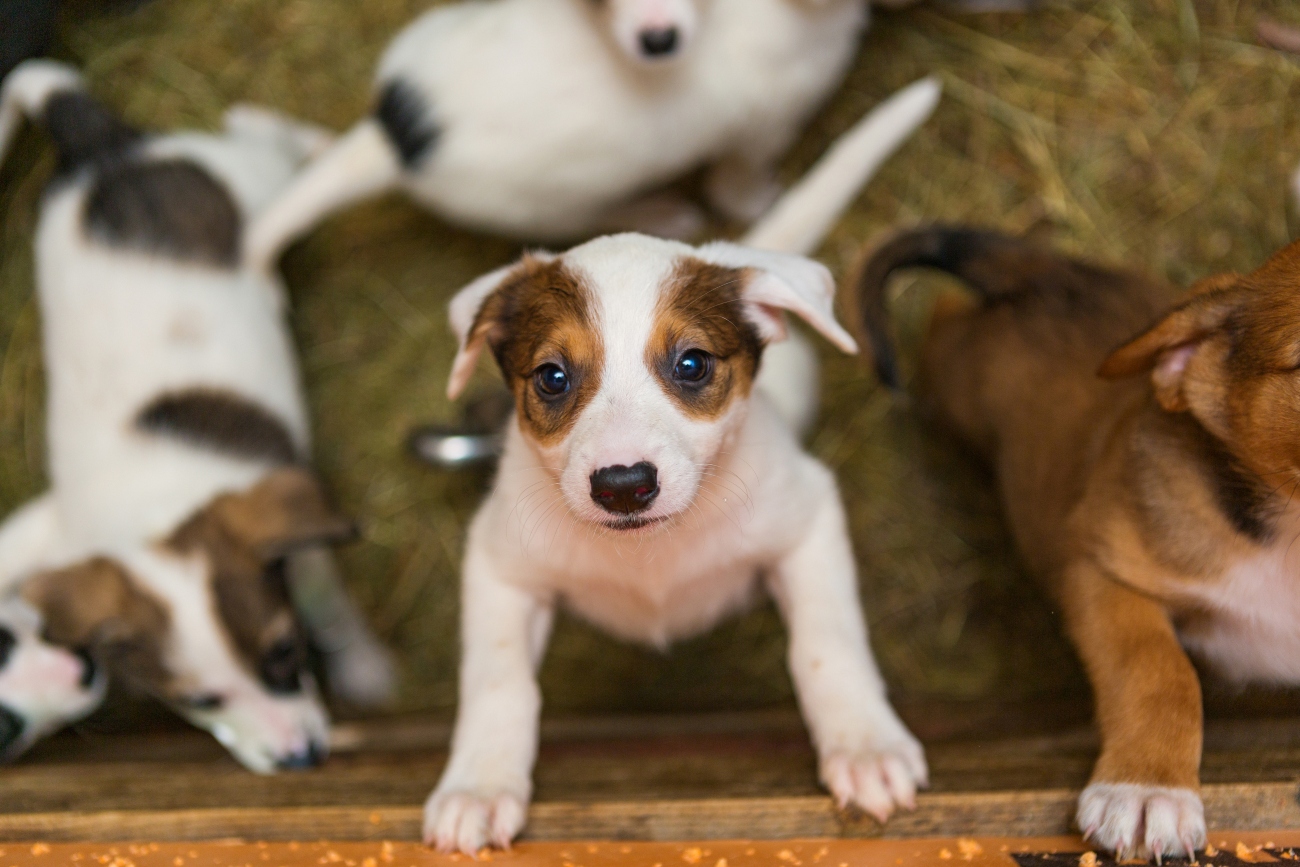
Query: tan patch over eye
point(701, 312)
point(540, 327)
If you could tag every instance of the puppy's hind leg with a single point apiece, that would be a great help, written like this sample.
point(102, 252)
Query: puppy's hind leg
point(482, 798)
point(28, 538)
point(866, 756)
point(357, 665)
point(1144, 797)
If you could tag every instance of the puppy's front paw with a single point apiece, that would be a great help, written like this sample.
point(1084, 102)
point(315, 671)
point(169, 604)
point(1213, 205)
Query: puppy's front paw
point(877, 779)
point(1142, 821)
point(467, 822)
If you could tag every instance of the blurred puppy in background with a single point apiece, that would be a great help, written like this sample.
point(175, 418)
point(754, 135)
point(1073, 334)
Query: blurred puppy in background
point(181, 507)
point(1160, 510)
point(552, 119)
point(650, 484)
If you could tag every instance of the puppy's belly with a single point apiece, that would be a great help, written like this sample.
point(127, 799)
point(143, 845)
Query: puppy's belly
point(655, 610)
point(1247, 628)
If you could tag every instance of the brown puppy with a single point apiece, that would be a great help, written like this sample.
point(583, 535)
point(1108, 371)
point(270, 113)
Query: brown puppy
point(1157, 508)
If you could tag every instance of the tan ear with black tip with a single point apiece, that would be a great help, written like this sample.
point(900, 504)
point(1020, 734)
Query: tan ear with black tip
point(286, 511)
point(1167, 347)
point(94, 604)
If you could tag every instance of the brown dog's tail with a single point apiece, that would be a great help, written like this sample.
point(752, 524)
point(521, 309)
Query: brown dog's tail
point(972, 255)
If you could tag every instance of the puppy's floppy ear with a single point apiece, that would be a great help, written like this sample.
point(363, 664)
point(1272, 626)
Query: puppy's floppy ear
point(286, 511)
point(779, 282)
point(95, 604)
point(1167, 347)
point(469, 324)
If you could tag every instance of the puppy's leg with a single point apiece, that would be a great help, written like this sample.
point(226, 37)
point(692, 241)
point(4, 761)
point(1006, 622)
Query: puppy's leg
point(28, 538)
point(483, 795)
point(305, 140)
point(741, 187)
point(1143, 798)
point(359, 667)
point(866, 755)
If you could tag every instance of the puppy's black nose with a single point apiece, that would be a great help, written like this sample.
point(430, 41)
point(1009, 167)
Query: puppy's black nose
point(312, 756)
point(625, 490)
point(659, 43)
point(11, 728)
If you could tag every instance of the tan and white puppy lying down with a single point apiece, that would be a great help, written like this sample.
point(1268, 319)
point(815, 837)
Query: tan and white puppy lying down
point(650, 485)
point(551, 120)
point(181, 512)
point(1156, 500)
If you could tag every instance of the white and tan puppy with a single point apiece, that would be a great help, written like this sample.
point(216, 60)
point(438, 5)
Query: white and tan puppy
point(651, 488)
point(549, 119)
point(177, 434)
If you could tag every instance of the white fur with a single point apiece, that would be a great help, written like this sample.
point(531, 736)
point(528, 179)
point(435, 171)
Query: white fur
point(548, 126)
point(741, 510)
point(120, 329)
point(1142, 821)
point(40, 683)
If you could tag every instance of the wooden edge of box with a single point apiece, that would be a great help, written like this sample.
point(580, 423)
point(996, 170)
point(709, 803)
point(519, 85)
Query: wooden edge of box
point(1044, 812)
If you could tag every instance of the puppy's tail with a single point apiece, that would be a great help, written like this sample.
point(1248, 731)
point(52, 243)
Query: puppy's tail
point(361, 164)
point(801, 219)
point(982, 259)
point(54, 94)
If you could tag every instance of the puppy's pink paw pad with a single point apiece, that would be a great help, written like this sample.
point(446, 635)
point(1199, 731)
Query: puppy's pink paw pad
point(464, 822)
point(1142, 821)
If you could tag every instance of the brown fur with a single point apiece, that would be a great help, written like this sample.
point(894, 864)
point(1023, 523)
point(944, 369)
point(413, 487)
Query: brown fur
point(701, 309)
point(244, 538)
point(1123, 494)
point(542, 314)
point(95, 606)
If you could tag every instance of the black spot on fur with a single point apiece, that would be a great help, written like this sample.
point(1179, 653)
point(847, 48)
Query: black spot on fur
point(8, 641)
point(406, 120)
point(1245, 500)
point(171, 207)
point(85, 132)
point(220, 421)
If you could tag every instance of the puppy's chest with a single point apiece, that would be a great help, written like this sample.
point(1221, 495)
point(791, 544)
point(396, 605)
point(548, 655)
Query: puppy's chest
point(657, 600)
point(1247, 622)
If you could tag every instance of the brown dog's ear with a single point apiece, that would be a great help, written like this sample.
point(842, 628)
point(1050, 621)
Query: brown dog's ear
point(284, 512)
point(95, 604)
point(1166, 348)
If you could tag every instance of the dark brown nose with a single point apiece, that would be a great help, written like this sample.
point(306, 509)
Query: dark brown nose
point(659, 43)
point(625, 490)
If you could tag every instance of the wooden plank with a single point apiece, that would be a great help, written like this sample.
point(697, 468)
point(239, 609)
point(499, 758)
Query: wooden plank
point(1024, 813)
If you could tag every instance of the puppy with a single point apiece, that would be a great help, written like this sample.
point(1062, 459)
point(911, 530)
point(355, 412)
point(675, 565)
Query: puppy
point(1158, 508)
point(177, 435)
point(547, 119)
point(42, 686)
point(651, 488)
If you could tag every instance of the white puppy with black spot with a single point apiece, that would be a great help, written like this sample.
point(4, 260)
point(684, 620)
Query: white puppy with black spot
point(552, 120)
point(180, 509)
point(650, 484)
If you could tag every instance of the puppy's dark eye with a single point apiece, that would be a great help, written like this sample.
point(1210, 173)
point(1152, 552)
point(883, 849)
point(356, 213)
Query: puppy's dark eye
point(7, 644)
point(694, 366)
point(279, 666)
point(551, 380)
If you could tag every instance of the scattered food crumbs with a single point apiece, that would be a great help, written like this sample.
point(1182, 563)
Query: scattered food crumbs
point(692, 855)
point(945, 854)
point(370, 862)
point(625, 850)
point(1088, 859)
point(969, 849)
point(788, 856)
point(722, 862)
point(750, 851)
point(821, 853)
point(1210, 851)
point(42, 849)
point(178, 861)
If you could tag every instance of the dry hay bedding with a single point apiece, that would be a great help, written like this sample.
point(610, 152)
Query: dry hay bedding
point(1154, 133)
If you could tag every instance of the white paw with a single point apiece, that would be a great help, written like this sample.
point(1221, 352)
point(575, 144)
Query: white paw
point(362, 674)
point(1142, 821)
point(877, 780)
point(466, 822)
